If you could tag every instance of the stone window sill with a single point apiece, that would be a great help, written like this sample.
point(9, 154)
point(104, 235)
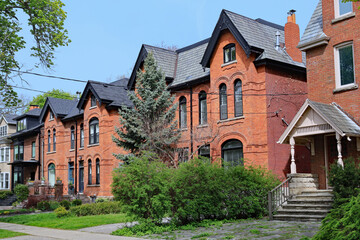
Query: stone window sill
point(230, 119)
point(71, 150)
point(203, 126)
point(82, 148)
point(94, 185)
point(183, 129)
point(343, 17)
point(51, 152)
point(92, 107)
point(228, 63)
point(93, 145)
point(346, 88)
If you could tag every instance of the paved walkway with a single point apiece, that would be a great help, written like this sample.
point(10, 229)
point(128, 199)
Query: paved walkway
point(40, 233)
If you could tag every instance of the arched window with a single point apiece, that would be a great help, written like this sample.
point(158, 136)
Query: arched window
point(49, 141)
point(81, 135)
point(229, 53)
point(51, 174)
point(232, 152)
point(97, 171)
point(223, 102)
point(238, 98)
point(94, 131)
point(202, 108)
point(89, 172)
point(54, 140)
point(72, 137)
point(182, 112)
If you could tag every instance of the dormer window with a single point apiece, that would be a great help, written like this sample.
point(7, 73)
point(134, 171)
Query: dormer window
point(229, 53)
point(51, 116)
point(342, 8)
point(93, 101)
point(21, 125)
point(3, 131)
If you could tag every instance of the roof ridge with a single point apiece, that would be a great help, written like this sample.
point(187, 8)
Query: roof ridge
point(194, 45)
point(160, 48)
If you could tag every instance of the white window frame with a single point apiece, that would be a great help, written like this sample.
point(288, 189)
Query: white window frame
point(337, 65)
point(3, 151)
point(3, 130)
point(3, 180)
point(51, 117)
point(337, 9)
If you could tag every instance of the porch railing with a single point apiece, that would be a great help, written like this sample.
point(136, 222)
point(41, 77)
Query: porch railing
point(278, 196)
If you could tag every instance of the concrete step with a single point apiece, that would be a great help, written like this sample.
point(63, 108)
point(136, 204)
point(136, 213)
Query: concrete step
point(315, 196)
point(307, 206)
point(295, 212)
point(311, 201)
point(317, 191)
point(299, 218)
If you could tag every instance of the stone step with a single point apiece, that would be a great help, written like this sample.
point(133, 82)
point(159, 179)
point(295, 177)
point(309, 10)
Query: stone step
point(303, 175)
point(307, 192)
point(307, 206)
point(311, 201)
point(315, 196)
point(296, 212)
point(299, 218)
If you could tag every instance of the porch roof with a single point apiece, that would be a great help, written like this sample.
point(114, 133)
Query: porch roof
point(330, 118)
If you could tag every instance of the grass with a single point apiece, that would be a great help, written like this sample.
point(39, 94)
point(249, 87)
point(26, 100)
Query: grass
point(16, 211)
point(201, 235)
point(72, 223)
point(9, 234)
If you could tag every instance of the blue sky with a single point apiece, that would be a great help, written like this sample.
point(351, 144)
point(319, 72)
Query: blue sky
point(107, 35)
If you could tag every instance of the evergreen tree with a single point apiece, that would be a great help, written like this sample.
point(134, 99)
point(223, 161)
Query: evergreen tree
point(149, 125)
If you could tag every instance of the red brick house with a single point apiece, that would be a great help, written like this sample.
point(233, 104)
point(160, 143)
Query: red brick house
point(328, 122)
point(236, 91)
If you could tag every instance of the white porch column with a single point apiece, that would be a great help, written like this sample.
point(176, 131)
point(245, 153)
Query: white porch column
point(338, 140)
point(292, 152)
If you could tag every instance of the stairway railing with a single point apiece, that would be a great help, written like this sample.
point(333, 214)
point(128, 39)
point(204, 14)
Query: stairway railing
point(278, 196)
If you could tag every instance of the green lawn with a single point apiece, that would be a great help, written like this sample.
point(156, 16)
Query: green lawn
point(8, 234)
point(51, 221)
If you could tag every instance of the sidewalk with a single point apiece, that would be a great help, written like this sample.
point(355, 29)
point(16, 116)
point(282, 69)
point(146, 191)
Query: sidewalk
point(40, 233)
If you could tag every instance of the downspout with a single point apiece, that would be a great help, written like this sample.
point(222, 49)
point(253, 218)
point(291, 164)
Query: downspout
point(191, 122)
point(40, 157)
point(75, 161)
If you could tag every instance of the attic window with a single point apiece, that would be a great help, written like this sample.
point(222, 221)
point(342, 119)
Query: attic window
point(229, 53)
point(51, 116)
point(93, 101)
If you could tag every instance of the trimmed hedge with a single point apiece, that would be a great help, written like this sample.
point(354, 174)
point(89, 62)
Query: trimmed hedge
point(22, 192)
point(96, 209)
point(5, 193)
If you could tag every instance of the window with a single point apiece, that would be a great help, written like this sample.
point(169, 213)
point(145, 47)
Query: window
point(49, 141)
point(229, 53)
point(182, 112)
point(21, 125)
point(202, 108)
point(54, 140)
point(238, 98)
point(51, 174)
point(33, 150)
point(93, 101)
point(51, 116)
point(232, 153)
point(19, 152)
point(3, 131)
point(4, 180)
point(342, 8)
point(97, 171)
point(89, 173)
point(344, 65)
point(223, 102)
point(72, 137)
point(81, 135)
point(183, 155)
point(94, 131)
point(5, 154)
point(204, 151)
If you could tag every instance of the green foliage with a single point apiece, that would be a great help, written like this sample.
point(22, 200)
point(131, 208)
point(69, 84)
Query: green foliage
point(76, 202)
point(45, 19)
point(66, 204)
point(143, 188)
point(54, 205)
point(99, 200)
point(345, 181)
point(43, 205)
point(97, 209)
point(55, 93)
point(150, 124)
point(61, 212)
point(195, 191)
point(342, 222)
point(5, 193)
point(21, 191)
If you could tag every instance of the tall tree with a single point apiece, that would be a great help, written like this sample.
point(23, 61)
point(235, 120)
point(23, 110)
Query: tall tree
point(150, 124)
point(46, 21)
point(55, 93)
point(20, 108)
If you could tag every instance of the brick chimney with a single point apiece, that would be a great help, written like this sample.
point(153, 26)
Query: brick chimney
point(292, 37)
point(33, 107)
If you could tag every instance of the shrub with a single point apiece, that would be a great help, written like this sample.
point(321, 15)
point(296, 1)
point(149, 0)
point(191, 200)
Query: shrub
point(143, 187)
point(76, 202)
point(22, 192)
point(43, 206)
point(99, 200)
point(66, 204)
point(342, 222)
point(54, 205)
point(61, 212)
point(5, 193)
point(345, 181)
point(97, 209)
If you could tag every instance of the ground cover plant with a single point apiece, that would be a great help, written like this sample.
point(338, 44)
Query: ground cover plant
point(9, 234)
point(50, 220)
point(16, 211)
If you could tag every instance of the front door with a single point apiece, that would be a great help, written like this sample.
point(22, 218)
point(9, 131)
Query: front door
point(81, 176)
